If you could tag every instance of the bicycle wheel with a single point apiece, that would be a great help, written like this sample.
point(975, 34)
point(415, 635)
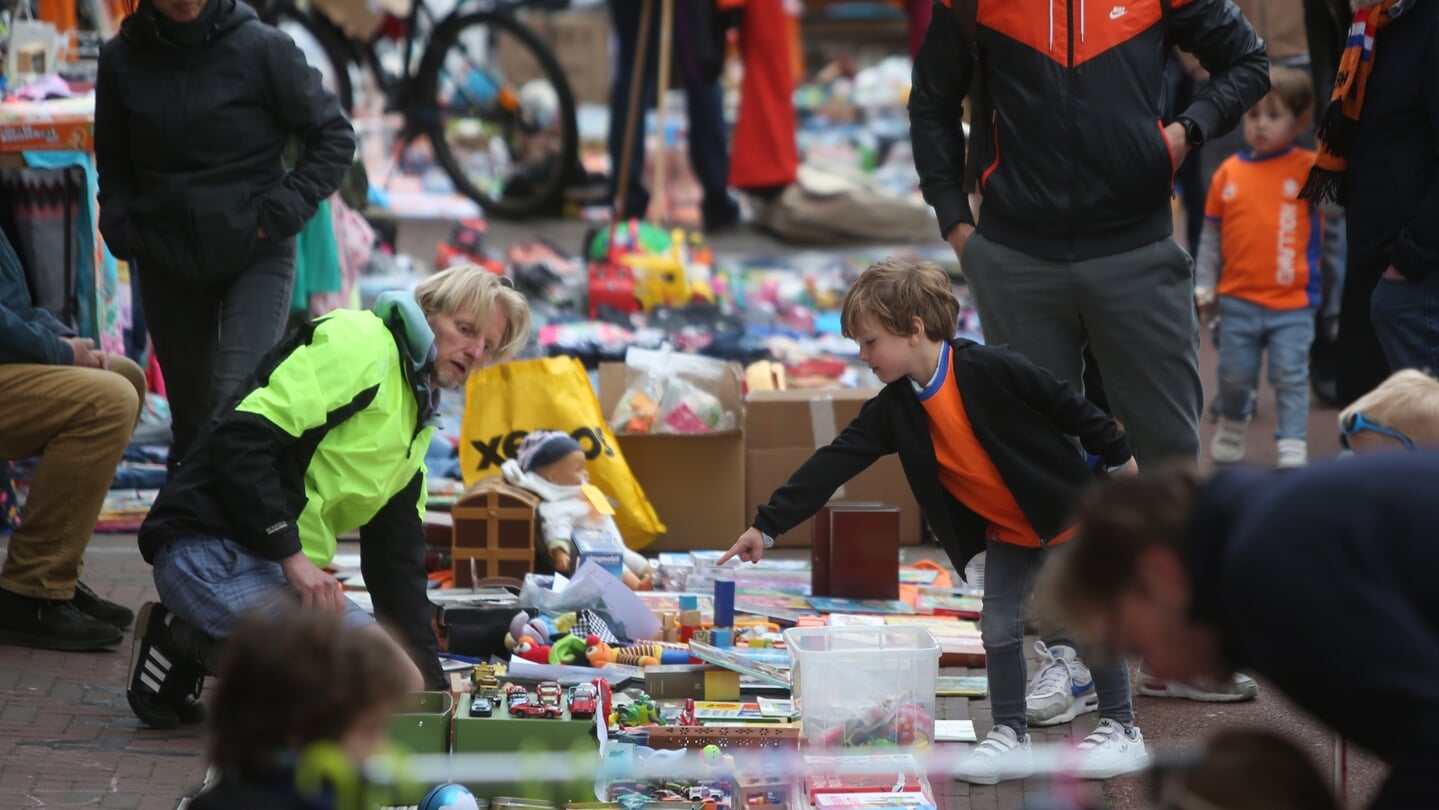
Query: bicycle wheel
point(323, 46)
point(499, 113)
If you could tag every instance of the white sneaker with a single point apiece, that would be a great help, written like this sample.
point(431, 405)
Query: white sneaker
point(1292, 453)
point(1111, 751)
point(999, 757)
point(1062, 690)
point(1228, 444)
point(1239, 689)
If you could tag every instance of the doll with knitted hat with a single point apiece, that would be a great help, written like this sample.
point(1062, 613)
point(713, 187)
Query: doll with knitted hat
point(551, 464)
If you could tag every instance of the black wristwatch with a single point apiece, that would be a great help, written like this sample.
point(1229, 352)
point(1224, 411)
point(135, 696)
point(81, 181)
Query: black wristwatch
point(1192, 132)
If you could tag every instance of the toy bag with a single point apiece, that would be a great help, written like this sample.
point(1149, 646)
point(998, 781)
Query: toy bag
point(507, 401)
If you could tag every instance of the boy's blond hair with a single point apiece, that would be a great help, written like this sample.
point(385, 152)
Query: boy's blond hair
point(1407, 402)
point(1292, 87)
point(472, 292)
point(891, 293)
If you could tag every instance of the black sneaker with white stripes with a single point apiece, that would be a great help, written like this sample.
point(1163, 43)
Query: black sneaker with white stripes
point(164, 681)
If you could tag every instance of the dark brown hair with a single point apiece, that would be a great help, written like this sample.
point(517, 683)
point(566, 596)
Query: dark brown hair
point(1116, 521)
point(1250, 769)
point(894, 292)
point(1294, 88)
point(292, 679)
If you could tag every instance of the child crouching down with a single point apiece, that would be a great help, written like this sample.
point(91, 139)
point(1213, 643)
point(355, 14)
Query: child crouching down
point(1258, 267)
point(983, 437)
point(551, 464)
point(288, 682)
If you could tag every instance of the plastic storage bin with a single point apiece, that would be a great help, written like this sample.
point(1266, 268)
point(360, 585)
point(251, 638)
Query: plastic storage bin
point(860, 685)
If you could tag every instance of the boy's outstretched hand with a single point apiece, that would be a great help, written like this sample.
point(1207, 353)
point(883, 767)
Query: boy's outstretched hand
point(749, 547)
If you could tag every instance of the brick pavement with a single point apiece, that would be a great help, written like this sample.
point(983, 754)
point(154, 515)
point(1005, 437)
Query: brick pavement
point(67, 737)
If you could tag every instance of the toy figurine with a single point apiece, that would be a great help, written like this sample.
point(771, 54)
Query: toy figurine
point(598, 652)
point(531, 650)
point(551, 464)
point(569, 650)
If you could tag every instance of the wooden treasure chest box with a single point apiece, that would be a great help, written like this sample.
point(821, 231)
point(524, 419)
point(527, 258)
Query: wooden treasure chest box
point(494, 532)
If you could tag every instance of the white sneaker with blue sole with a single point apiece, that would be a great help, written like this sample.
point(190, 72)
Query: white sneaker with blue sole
point(1062, 689)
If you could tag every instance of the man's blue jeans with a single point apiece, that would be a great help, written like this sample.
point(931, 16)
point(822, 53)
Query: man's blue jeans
point(1406, 321)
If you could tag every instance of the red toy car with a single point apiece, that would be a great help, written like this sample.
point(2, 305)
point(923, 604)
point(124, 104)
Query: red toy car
point(534, 709)
point(583, 702)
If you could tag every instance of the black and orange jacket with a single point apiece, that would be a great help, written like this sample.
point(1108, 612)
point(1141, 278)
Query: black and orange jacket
point(1080, 167)
point(1021, 417)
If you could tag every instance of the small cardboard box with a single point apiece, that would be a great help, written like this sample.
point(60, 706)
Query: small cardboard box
point(602, 547)
point(695, 482)
point(423, 723)
point(782, 430)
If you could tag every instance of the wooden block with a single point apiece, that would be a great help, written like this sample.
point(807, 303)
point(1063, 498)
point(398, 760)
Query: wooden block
point(855, 551)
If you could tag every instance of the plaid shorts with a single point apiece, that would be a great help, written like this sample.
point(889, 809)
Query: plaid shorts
point(211, 582)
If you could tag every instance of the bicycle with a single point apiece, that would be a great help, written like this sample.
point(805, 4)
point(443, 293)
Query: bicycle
point(485, 89)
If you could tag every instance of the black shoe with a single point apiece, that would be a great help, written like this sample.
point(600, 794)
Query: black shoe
point(164, 683)
point(90, 603)
point(52, 624)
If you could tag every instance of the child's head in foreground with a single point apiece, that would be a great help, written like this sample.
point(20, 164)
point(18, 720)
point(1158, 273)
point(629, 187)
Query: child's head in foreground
point(1276, 121)
point(897, 311)
point(1402, 412)
point(1247, 769)
point(297, 678)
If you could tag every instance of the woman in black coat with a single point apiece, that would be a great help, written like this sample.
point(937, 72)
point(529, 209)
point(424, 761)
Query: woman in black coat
point(195, 102)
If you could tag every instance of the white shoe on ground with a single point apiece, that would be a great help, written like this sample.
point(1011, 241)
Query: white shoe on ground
point(1001, 756)
point(1228, 444)
point(1111, 750)
point(1292, 453)
point(1240, 688)
point(1062, 690)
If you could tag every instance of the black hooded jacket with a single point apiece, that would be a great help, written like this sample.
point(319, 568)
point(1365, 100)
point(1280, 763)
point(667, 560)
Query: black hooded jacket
point(189, 138)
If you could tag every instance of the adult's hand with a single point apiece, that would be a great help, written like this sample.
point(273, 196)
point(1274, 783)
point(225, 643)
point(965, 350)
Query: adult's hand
point(1131, 468)
point(317, 589)
point(1393, 274)
point(1178, 143)
point(749, 547)
point(85, 353)
point(958, 235)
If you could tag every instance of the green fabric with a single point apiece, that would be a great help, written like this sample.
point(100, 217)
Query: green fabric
point(317, 259)
point(364, 461)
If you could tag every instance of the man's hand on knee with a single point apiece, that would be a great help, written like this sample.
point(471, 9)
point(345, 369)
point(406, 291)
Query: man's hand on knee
point(317, 589)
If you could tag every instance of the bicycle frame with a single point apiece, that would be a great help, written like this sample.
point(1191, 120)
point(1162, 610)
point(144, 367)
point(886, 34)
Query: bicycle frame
point(393, 86)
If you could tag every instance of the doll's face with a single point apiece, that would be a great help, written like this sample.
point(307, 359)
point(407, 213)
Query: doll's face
point(567, 472)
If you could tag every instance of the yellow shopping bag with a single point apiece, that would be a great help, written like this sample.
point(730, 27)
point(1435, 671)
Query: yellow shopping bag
point(505, 402)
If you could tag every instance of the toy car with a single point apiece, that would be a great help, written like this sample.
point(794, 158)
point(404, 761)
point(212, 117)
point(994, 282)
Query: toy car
point(550, 695)
point(534, 709)
point(583, 700)
point(514, 693)
point(481, 706)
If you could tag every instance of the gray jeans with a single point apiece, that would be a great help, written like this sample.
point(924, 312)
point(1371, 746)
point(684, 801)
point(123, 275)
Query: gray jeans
point(1009, 573)
point(210, 339)
point(1134, 310)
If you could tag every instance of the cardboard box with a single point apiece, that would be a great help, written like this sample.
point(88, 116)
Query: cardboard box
point(782, 429)
point(696, 483)
point(580, 40)
point(602, 547)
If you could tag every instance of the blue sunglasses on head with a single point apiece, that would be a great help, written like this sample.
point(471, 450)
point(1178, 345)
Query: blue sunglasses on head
point(1356, 423)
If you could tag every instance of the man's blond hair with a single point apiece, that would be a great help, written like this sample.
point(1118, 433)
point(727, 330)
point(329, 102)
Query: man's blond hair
point(472, 292)
point(1407, 402)
point(891, 293)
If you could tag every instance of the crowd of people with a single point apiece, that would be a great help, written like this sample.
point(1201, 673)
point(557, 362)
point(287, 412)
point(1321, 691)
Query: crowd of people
point(1088, 393)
